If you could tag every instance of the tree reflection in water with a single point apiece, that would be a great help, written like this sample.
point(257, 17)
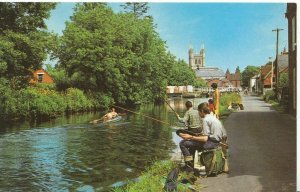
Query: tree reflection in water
point(70, 154)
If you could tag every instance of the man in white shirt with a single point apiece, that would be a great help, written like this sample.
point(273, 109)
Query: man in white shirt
point(212, 134)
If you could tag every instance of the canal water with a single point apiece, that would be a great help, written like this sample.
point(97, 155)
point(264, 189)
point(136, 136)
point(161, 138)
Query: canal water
point(69, 154)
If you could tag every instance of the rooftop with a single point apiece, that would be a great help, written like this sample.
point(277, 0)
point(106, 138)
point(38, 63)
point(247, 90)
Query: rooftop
point(283, 61)
point(209, 72)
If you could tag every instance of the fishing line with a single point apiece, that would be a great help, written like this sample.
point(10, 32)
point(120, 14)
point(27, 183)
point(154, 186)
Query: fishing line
point(142, 115)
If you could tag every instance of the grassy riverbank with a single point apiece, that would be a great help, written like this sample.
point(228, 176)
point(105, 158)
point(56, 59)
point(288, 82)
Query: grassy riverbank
point(153, 178)
point(44, 102)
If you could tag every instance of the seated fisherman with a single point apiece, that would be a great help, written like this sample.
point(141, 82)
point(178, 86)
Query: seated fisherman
point(213, 132)
point(191, 118)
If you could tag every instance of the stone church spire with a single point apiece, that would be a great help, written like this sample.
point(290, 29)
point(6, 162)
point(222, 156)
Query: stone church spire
point(196, 61)
point(191, 57)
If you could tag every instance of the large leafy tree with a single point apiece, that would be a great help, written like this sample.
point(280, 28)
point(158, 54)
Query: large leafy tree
point(181, 74)
point(200, 83)
point(249, 72)
point(102, 54)
point(138, 9)
point(23, 39)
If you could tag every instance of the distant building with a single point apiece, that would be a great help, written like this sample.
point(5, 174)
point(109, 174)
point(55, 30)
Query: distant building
point(208, 73)
point(41, 76)
point(282, 62)
point(222, 82)
point(255, 84)
point(291, 15)
point(196, 60)
point(234, 78)
point(266, 71)
point(266, 76)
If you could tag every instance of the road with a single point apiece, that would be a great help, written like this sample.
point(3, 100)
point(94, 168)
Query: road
point(262, 151)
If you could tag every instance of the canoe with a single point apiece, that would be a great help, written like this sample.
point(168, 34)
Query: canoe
point(117, 118)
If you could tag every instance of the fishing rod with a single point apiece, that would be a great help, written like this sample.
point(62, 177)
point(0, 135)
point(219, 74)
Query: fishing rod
point(142, 115)
point(170, 107)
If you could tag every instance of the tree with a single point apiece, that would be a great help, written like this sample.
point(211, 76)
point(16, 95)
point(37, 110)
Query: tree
point(23, 40)
point(180, 74)
point(237, 70)
point(200, 83)
point(284, 80)
point(138, 9)
point(100, 53)
point(249, 72)
point(24, 17)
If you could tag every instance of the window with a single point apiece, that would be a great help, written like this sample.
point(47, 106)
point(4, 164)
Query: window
point(40, 77)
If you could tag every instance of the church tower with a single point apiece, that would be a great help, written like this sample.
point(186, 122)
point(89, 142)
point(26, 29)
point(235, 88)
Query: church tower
point(202, 56)
point(191, 57)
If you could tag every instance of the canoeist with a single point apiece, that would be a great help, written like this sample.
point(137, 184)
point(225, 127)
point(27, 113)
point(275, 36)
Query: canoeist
point(110, 115)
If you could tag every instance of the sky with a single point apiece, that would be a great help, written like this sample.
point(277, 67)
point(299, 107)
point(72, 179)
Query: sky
point(233, 34)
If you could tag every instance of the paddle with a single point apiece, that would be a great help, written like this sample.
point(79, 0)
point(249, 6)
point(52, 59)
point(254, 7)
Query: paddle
point(97, 120)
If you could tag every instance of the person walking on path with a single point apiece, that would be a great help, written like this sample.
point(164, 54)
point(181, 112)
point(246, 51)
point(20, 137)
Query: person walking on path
point(216, 99)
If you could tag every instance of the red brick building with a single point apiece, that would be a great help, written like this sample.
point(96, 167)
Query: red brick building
point(234, 78)
point(41, 76)
point(266, 75)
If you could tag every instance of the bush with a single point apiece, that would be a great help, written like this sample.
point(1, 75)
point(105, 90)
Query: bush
point(269, 95)
point(42, 102)
point(8, 100)
point(284, 80)
point(100, 100)
point(76, 100)
point(226, 99)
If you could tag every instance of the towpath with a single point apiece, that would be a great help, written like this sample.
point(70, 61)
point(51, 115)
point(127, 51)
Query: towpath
point(262, 151)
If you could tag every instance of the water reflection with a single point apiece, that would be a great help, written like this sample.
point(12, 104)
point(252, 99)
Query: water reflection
point(68, 154)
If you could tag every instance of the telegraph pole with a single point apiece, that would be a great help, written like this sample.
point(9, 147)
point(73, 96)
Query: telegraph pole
point(272, 70)
point(277, 67)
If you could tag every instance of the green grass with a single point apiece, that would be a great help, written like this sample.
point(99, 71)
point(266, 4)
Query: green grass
point(281, 108)
point(153, 179)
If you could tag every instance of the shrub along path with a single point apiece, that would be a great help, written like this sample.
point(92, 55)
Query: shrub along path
point(262, 151)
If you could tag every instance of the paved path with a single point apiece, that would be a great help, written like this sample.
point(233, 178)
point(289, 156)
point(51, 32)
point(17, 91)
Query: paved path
point(262, 151)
